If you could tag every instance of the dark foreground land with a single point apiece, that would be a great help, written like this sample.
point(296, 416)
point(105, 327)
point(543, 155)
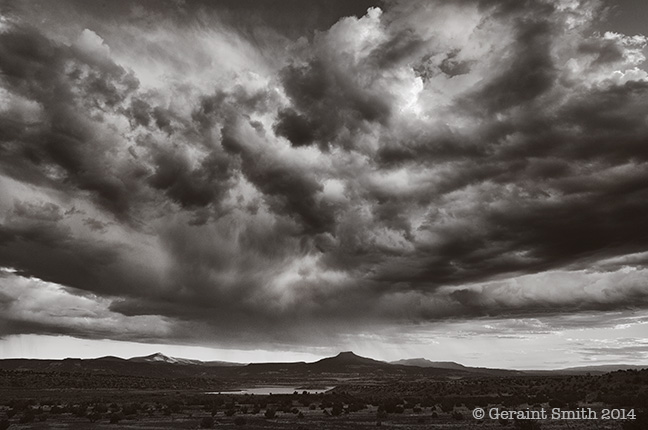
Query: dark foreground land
point(368, 394)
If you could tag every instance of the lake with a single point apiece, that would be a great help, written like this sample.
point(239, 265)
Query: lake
point(274, 389)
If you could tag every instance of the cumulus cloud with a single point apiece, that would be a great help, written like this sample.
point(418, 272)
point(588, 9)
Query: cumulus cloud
point(32, 305)
point(415, 162)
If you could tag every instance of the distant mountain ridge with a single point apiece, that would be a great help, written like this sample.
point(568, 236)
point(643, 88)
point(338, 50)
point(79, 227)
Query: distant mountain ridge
point(160, 365)
point(596, 369)
point(348, 358)
point(607, 368)
point(158, 357)
point(424, 362)
point(161, 358)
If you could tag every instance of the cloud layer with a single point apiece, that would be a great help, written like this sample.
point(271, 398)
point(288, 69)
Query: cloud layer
point(248, 182)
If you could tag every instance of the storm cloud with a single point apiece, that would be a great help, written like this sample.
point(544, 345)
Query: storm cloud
point(192, 172)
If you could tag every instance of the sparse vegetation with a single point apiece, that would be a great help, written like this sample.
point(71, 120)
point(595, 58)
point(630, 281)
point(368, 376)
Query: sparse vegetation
point(415, 403)
point(639, 423)
point(527, 425)
point(207, 423)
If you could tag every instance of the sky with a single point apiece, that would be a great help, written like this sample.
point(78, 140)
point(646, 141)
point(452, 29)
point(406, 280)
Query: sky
point(275, 181)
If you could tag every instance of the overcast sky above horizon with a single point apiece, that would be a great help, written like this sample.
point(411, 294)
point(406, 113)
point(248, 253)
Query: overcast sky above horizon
point(261, 181)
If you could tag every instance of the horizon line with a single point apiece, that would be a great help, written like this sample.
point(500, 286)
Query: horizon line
point(393, 362)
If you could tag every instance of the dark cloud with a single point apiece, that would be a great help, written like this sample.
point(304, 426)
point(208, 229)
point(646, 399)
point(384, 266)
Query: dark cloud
point(95, 225)
point(400, 47)
point(288, 190)
point(530, 72)
point(63, 83)
point(293, 18)
point(606, 51)
point(429, 161)
point(329, 103)
point(162, 119)
point(191, 187)
point(294, 127)
point(140, 112)
point(29, 249)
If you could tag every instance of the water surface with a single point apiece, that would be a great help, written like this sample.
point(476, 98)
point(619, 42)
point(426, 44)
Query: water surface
point(274, 389)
